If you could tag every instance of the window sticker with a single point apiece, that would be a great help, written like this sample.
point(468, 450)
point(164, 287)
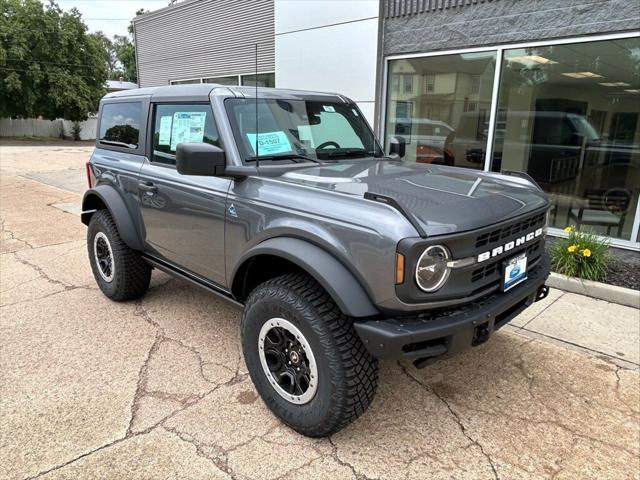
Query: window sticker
point(187, 127)
point(306, 136)
point(329, 108)
point(269, 143)
point(165, 130)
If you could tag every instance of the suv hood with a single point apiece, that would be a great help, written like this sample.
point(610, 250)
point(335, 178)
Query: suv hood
point(441, 199)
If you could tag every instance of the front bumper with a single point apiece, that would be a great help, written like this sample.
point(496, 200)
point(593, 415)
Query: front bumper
point(421, 338)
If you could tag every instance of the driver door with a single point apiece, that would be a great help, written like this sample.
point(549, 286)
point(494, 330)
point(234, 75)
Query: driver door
point(183, 215)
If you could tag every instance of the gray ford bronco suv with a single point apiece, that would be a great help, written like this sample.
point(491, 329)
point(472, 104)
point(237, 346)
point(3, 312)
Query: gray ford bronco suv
point(283, 202)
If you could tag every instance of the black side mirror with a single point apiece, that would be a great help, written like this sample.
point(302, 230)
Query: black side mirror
point(397, 147)
point(201, 159)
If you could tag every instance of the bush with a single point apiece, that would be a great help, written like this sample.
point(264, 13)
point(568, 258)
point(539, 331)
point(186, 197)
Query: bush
point(582, 255)
point(75, 131)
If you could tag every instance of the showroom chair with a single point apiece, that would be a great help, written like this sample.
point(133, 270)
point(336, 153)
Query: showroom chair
point(602, 208)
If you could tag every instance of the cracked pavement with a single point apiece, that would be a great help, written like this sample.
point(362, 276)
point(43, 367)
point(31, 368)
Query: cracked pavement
point(158, 389)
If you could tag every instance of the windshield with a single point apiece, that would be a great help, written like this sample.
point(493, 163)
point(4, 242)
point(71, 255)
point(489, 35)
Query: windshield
point(584, 127)
point(299, 130)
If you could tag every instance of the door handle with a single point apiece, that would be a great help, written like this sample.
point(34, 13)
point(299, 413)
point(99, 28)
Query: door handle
point(147, 187)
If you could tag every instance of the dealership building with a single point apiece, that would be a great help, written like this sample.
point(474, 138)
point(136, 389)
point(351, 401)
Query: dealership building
point(547, 87)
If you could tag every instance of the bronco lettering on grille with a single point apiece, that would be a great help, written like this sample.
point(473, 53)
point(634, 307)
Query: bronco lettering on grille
point(509, 246)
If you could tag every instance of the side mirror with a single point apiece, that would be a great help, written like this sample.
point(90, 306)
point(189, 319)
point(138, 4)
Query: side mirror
point(201, 159)
point(397, 147)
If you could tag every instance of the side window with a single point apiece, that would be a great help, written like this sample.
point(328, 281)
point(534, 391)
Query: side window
point(120, 124)
point(179, 123)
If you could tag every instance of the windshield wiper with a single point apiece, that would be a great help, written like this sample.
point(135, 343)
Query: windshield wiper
point(351, 152)
point(290, 156)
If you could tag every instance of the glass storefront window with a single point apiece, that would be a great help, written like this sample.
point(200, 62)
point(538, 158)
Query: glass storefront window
point(569, 116)
point(228, 80)
point(440, 105)
point(264, 80)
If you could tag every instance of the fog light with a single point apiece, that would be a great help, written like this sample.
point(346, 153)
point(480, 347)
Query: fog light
point(432, 271)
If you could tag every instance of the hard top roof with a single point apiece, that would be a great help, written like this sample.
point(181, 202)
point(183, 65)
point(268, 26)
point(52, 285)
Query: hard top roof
point(202, 91)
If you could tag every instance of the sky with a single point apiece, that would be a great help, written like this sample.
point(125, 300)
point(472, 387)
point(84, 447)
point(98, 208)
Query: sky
point(110, 16)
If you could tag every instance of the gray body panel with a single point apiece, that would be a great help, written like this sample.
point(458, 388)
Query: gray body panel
point(184, 219)
point(210, 226)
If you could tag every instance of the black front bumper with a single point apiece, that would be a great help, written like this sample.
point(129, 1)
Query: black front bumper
point(446, 332)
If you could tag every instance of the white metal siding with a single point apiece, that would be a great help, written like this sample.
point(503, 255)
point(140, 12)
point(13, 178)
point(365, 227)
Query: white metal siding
point(339, 45)
point(204, 38)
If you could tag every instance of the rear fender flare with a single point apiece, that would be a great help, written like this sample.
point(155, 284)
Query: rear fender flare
point(111, 199)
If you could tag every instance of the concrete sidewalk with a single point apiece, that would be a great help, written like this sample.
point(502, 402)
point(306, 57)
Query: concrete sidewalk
point(600, 328)
point(157, 388)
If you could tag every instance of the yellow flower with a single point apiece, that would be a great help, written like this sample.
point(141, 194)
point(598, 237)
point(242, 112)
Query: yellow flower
point(568, 229)
point(572, 248)
point(586, 252)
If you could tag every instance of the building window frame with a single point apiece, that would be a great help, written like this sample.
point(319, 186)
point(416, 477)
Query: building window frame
point(239, 76)
point(179, 81)
point(630, 244)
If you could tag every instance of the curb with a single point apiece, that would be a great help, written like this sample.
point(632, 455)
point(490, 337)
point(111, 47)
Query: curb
point(602, 291)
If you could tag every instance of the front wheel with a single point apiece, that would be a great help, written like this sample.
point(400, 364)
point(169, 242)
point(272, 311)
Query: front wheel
point(304, 356)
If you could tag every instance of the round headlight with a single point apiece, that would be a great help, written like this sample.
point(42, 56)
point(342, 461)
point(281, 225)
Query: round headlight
point(432, 270)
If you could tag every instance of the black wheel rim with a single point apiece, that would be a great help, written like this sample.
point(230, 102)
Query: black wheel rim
point(288, 361)
point(103, 256)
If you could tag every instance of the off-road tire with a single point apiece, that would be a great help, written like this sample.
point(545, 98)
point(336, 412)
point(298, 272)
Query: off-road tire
point(348, 374)
point(131, 274)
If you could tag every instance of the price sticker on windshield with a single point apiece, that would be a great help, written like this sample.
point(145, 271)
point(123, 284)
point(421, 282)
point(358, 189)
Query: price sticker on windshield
point(269, 143)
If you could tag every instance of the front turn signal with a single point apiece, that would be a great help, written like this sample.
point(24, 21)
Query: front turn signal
point(399, 268)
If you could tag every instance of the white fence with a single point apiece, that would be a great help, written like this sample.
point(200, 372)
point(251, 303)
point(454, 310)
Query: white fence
point(36, 127)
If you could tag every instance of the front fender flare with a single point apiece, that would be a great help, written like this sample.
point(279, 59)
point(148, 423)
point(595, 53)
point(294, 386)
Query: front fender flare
point(112, 200)
point(334, 277)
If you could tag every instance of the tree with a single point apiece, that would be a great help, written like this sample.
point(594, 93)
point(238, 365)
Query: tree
point(125, 52)
point(120, 54)
point(49, 65)
point(109, 53)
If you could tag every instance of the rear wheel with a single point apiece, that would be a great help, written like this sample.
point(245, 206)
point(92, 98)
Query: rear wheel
point(304, 356)
point(119, 271)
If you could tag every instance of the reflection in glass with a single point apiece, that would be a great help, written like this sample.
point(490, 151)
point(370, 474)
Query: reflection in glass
point(441, 106)
point(120, 124)
point(568, 115)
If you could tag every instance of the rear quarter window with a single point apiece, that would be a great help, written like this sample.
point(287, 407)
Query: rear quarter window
point(120, 124)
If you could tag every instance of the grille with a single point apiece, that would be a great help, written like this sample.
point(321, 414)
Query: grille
point(509, 230)
point(489, 269)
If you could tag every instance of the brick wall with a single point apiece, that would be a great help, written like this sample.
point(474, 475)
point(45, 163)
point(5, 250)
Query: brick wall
point(427, 25)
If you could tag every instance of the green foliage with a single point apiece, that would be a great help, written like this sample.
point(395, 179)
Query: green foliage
point(583, 255)
point(49, 65)
point(122, 134)
point(75, 131)
point(125, 52)
point(120, 54)
point(108, 53)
